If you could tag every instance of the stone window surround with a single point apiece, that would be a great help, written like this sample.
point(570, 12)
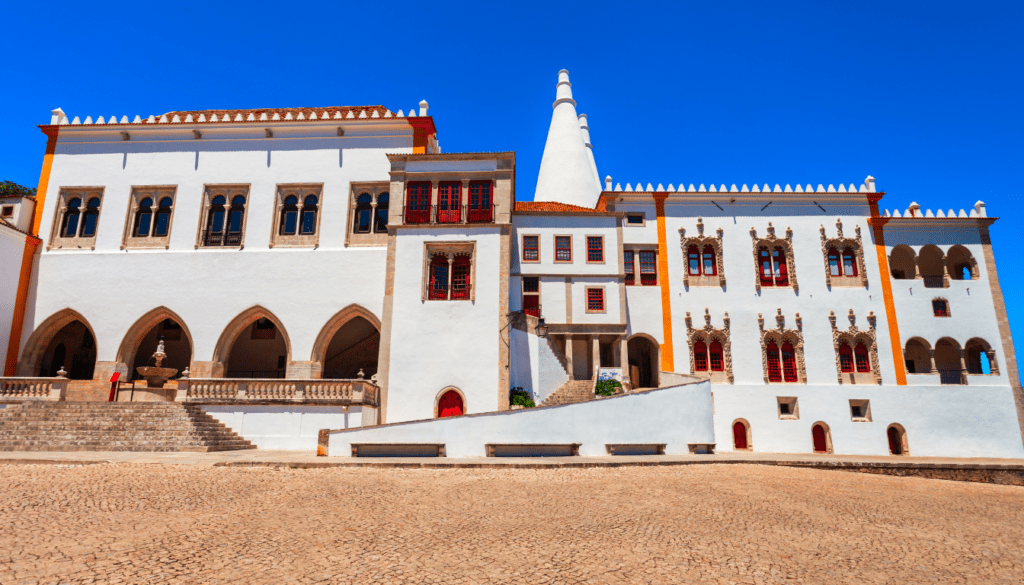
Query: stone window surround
point(586, 299)
point(87, 194)
point(700, 240)
point(840, 243)
point(771, 241)
point(586, 249)
point(794, 407)
point(300, 191)
point(636, 249)
point(707, 334)
point(641, 223)
point(373, 237)
point(156, 193)
point(554, 249)
point(949, 311)
point(522, 248)
point(7, 211)
point(853, 336)
point(229, 191)
point(781, 335)
point(450, 249)
point(865, 413)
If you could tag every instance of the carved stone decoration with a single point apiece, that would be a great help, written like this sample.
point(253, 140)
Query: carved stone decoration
point(853, 336)
point(771, 241)
point(839, 243)
point(708, 334)
point(781, 335)
point(700, 241)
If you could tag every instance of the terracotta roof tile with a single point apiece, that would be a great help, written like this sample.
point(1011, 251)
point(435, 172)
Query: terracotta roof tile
point(553, 207)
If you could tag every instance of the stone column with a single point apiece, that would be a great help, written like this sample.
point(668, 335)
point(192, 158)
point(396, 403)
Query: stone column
point(624, 360)
point(568, 356)
point(451, 259)
point(917, 266)
point(931, 356)
point(595, 353)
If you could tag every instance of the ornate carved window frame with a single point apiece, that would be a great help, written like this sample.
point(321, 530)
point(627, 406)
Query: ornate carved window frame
point(228, 191)
point(373, 238)
point(296, 240)
point(949, 309)
point(156, 193)
point(853, 336)
point(449, 249)
point(700, 240)
point(707, 334)
point(771, 241)
point(840, 243)
point(77, 242)
point(781, 335)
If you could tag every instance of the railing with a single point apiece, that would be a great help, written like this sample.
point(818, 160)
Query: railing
point(450, 215)
point(533, 311)
point(480, 214)
point(271, 374)
point(417, 215)
point(222, 239)
point(236, 390)
point(54, 389)
point(952, 377)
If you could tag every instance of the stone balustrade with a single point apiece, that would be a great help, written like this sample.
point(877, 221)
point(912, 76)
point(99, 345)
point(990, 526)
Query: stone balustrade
point(260, 391)
point(18, 389)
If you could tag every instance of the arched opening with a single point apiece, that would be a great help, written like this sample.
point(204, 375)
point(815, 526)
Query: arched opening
point(289, 216)
point(917, 356)
point(710, 261)
point(979, 357)
point(700, 356)
point(947, 361)
point(897, 437)
point(931, 263)
point(821, 437)
point(253, 345)
point(643, 361)
point(65, 339)
point(774, 366)
point(350, 341)
point(309, 210)
point(450, 403)
point(901, 262)
point(140, 343)
point(741, 439)
point(959, 263)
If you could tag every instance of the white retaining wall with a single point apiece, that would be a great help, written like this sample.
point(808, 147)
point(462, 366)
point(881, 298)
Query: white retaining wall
point(288, 427)
point(677, 416)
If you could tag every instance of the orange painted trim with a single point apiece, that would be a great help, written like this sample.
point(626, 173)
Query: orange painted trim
point(667, 357)
point(877, 224)
point(422, 130)
point(14, 340)
point(44, 176)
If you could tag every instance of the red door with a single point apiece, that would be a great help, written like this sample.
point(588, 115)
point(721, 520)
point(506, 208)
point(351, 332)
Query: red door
point(818, 434)
point(895, 447)
point(449, 405)
point(739, 435)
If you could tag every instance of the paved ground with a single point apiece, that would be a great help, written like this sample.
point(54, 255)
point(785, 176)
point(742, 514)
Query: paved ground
point(144, 523)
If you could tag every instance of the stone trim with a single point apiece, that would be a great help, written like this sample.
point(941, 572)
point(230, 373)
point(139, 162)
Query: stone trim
point(853, 336)
point(77, 242)
point(298, 240)
point(131, 242)
point(375, 190)
point(465, 404)
point(331, 328)
point(707, 334)
point(586, 299)
point(902, 432)
point(840, 243)
point(700, 240)
point(750, 434)
point(451, 250)
point(781, 335)
point(828, 437)
point(771, 241)
point(504, 335)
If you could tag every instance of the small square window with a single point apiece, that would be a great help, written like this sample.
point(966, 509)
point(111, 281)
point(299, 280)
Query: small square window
point(531, 248)
point(940, 308)
point(595, 300)
point(563, 248)
point(635, 219)
point(860, 410)
point(7, 211)
point(595, 249)
point(788, 408)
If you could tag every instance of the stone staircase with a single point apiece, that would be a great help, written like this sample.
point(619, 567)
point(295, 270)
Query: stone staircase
point(571, 392)
point(113, 426)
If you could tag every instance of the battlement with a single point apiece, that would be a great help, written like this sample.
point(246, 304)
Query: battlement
point(868, 186)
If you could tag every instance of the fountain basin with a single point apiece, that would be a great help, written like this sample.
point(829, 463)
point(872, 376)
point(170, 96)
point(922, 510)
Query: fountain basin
point(156, 377)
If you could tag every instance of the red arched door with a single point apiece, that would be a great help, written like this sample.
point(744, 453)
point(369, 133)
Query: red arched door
point(450, 404)
point(739, 435)
point(818, 433)
point(895, 444)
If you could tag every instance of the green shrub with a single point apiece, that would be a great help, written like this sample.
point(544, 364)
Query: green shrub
point(520, 397)
point(607, 387)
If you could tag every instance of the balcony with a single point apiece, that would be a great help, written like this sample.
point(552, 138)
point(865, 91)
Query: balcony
point(448, 216)
point(222, 239)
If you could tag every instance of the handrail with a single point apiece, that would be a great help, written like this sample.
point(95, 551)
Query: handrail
point(262, 390)
point(33, 388)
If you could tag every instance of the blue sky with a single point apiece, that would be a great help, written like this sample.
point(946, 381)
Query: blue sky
point(925, 96)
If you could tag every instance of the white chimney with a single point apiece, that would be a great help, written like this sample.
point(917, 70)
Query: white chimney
point(423, 108)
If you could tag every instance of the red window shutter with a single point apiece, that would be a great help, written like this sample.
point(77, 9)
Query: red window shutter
point(710, 261)
point(630, 269)
point(861, 355)
point(531, 250)
point(849, 262)
point(648, 268)
point(835, 263)
point(774, 371)
point(693, 260)
point(845, 358)
point(438, 278)
point(595, 249)
point(717, 363)
point(789, 362)
point(700, 357)
point(766, 267)
point(461, 286)
point(781, 269)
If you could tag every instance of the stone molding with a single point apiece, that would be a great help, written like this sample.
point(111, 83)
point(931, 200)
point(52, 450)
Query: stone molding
point(374, 189)
point(779, 334)
point(853, 335)
point(840, 243)
point(700, 240)
point(228, 192)
point(131, 242)
point(77, 242)
point(771, 241)
point(451, 250)
point(707, 334)
point(296, 240)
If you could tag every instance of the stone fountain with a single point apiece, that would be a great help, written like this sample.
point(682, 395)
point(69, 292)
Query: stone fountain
point(157, 375)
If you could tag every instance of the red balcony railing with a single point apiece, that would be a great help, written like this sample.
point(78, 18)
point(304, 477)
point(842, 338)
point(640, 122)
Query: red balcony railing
point(453, 215)
point(417, 215)
point(435, 214)
point(483, 214)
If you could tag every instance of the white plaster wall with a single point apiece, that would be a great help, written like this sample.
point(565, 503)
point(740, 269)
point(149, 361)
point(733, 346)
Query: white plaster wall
point(641, 234)
point(941, 421)
point(436, 344)
point(552, 299)
point(23, 212)
point(12, 250)
point(676, 416)
point(643, 311)
point(577, 226)
point(611, 313)
point(284, 427)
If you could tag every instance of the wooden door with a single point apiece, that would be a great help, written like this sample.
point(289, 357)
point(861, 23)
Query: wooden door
point(449, 405)
point(818, 434)
point(895, 444)
point(739, 435)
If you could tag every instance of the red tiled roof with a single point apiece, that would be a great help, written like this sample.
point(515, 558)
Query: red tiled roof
point(552, 207)
point(356, 110)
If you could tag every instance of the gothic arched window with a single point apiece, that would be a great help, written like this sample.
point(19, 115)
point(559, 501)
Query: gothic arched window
point(309, 209)
point(143, 218)
point(381, 225)
point(71, 217)
point(289, 216)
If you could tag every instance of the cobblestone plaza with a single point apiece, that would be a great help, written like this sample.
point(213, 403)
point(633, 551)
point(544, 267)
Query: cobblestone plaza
point(140, 523)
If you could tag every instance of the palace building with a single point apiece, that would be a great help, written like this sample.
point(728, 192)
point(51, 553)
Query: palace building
point(331, 268)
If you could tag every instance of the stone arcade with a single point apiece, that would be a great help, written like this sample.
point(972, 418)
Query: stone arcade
point(330, 268)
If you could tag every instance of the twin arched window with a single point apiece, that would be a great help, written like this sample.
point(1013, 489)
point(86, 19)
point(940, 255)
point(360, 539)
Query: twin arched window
point(856, 358)
point(781, 363)
point(842, 263)
point(298, 222)
point(146, 225)
point(701, 262)
point(450, 281)
point(772, 266)
point(78, 222)
point(707, 357)
point(224, 222)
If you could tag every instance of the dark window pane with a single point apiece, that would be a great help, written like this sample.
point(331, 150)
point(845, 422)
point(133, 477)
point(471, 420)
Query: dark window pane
point(308, 221)
point(217, 221)
point(290, 218)
point(142, 230)
point(71, 227)
point(235, 223)
point(89, 223)
point(163, 222)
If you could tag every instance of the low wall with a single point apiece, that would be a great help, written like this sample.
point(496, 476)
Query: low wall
point(676, 416)
point(288, 427)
